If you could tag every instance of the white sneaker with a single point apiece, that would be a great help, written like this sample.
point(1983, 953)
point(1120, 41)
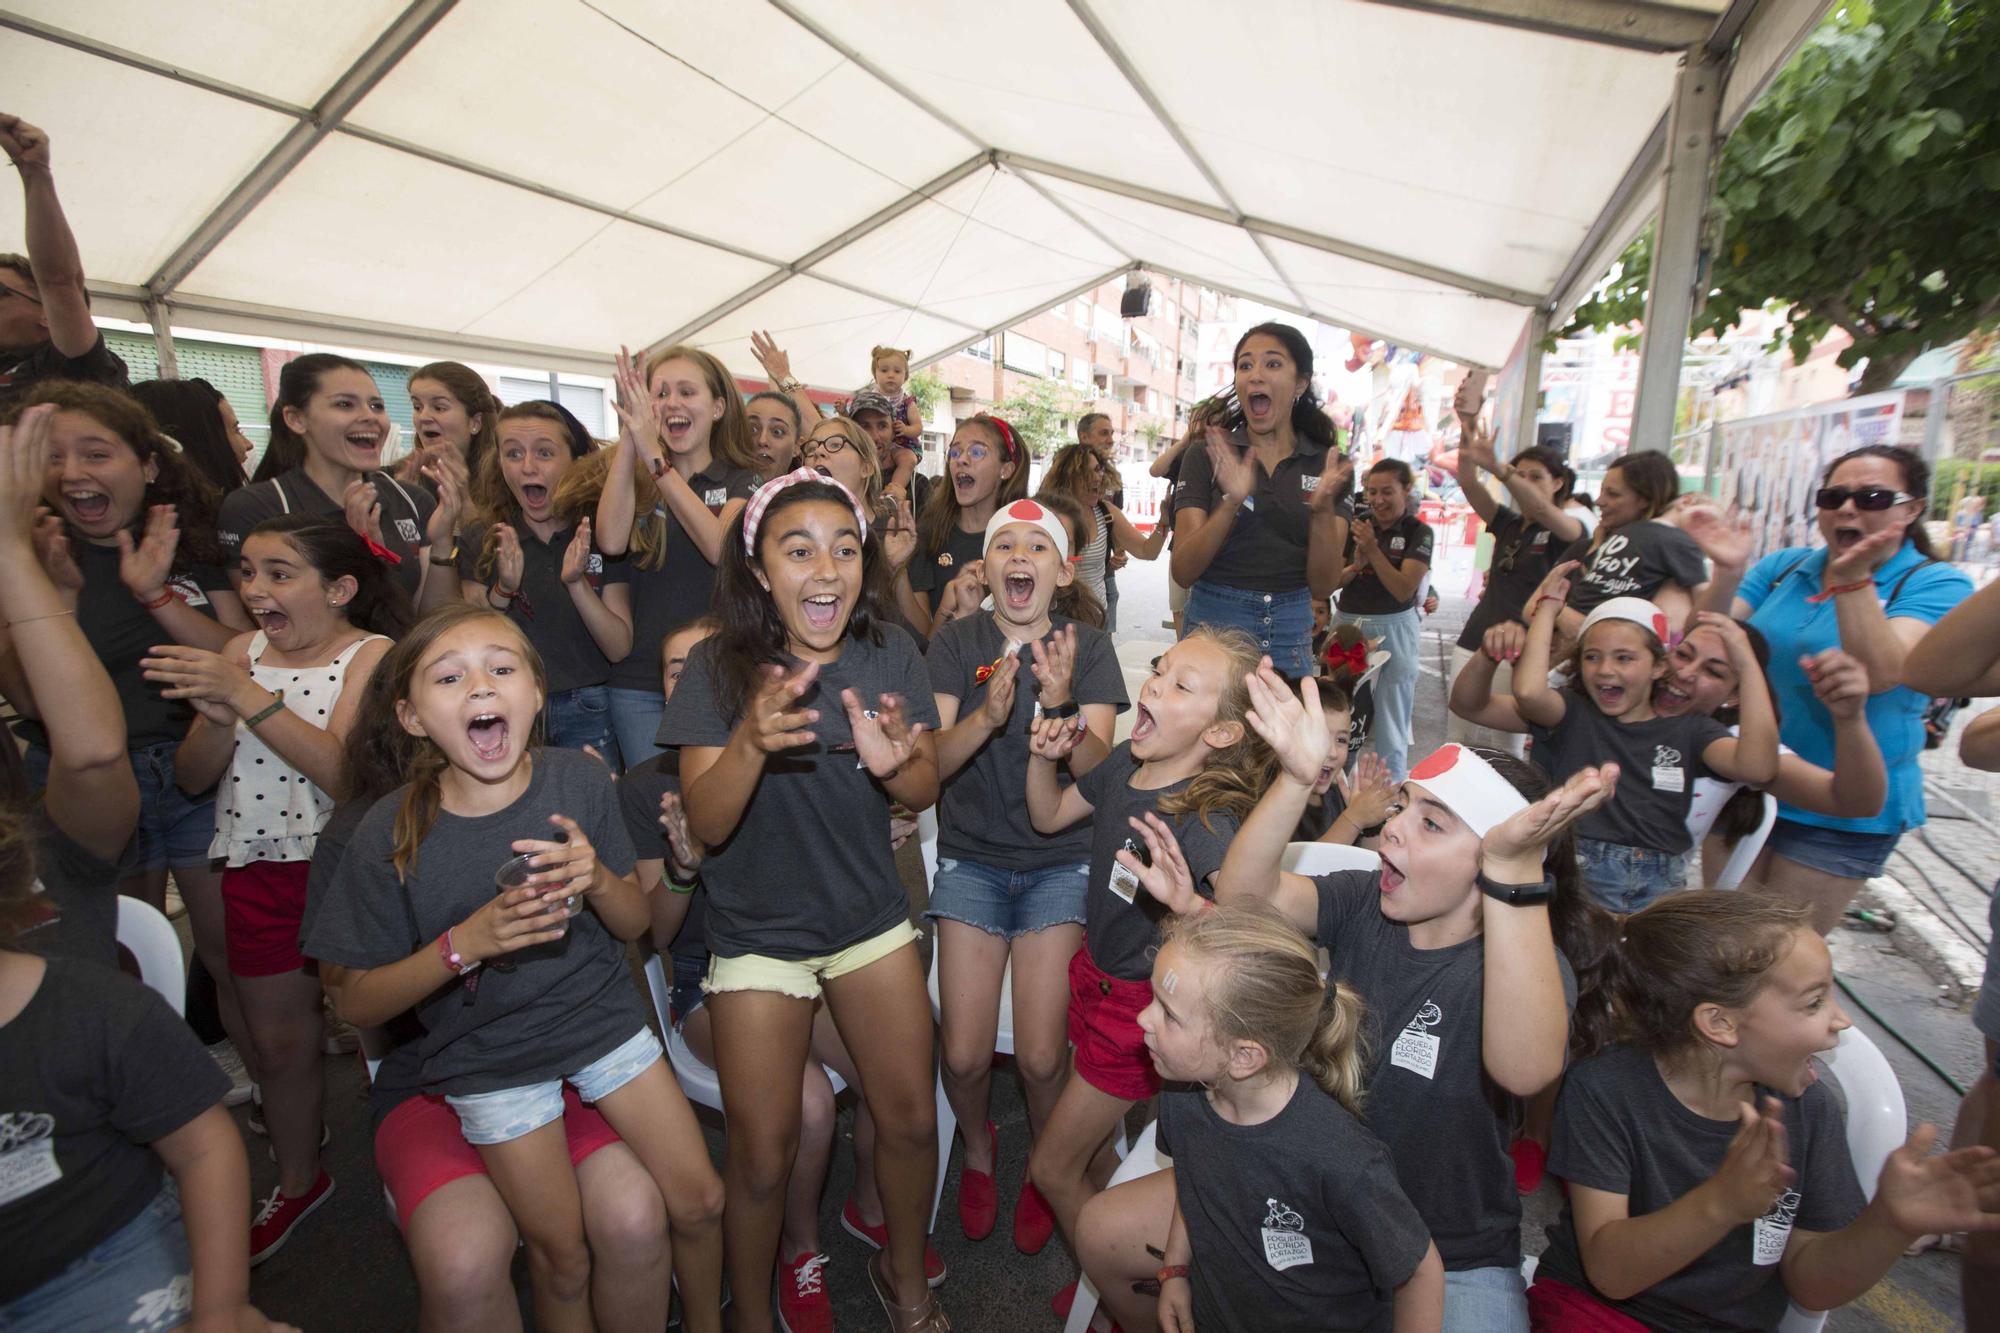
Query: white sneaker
point(229, 1062)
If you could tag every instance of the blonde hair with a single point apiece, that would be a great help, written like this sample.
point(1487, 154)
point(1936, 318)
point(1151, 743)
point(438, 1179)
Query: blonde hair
point(1234, 778)
point(583, 483)
point(859, 441)
point(877, 355)
point(729, 440)
point(1264, 985)
point(419, 756)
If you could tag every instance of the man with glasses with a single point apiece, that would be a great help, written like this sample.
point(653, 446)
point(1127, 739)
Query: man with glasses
point(1093, 432)
point(45, 327)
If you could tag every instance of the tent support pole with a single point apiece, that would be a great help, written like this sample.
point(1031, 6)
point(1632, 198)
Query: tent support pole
point(1677, 245)
point(163, 340)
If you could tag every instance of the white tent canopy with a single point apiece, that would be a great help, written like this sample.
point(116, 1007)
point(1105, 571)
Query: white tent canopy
point(538, 181)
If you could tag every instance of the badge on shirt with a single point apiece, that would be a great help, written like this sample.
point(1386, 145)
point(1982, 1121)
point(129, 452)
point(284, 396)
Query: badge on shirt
point(187, 590)
point(1123, 882)
point(715, 498)
point(27, 1154)
point(1308, 482)
point(1396, 544)
point(1416, 1047)
point(1285, 1242)
point(406, 528)
point(944, 559)
point(1668, 775)
point(1773, 1230)
point(593, 564)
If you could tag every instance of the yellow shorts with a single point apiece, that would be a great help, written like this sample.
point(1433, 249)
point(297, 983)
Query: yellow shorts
point(800, 978)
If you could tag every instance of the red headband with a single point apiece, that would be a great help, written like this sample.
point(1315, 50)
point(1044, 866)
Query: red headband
point(1006, 436)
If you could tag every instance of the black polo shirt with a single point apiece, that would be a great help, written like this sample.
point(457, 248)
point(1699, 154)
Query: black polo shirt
point(1266, 547)
point(545, 611)
point(682, 587)
point(931, 572)
point(406, 513)
point(1409, 539)
point(1523, 554)
point(21, 368)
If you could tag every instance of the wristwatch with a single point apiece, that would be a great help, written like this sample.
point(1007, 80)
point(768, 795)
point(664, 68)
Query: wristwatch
point(1070, 709)
point(449, 558)
point(1519, 895)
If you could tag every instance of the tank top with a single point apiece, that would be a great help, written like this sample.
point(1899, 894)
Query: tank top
point(266, 810)
point(1090, 563)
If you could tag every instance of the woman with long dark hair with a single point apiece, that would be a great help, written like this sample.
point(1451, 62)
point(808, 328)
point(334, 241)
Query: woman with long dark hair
point(196, 416)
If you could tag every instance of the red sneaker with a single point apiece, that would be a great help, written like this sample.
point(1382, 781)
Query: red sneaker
point(877, 1238)
point(978, 1196)
point(1531, 1159)
point(278, 1217)
point(1034, 1220)
point(803, 1306)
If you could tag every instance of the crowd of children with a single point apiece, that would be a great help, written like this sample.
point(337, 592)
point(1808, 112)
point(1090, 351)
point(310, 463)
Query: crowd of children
point(653, 681)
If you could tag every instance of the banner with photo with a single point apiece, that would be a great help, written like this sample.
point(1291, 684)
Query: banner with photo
point(1770, 466)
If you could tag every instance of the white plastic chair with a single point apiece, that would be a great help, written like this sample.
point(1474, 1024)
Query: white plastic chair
point(1323, 858)
point(1744, 854)
point(697, 1080)
point(1138, 654)
point(1144, 1159)
point(157, 949)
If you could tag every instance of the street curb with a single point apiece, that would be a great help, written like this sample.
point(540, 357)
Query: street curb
point(1921, 937)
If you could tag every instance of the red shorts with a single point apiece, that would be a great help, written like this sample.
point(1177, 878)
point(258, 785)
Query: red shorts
point(1111, 1053)
point(1557, 1307)
point(419, 1149)
point(263, 906)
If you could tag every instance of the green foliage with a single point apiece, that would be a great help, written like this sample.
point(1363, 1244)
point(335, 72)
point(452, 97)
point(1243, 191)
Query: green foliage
point(1041, 412)
point(929, 389)
point(1977, 478)
point(1859, 193)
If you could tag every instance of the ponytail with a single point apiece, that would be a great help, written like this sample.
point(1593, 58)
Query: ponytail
point(1334, 1056)
point(297, 383)
point(335, 551)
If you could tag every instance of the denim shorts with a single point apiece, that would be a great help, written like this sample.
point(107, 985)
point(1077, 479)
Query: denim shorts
point(1009, 903)
point(1280, 622)
point(1832, 851)
point(174, 829)
point(1485, 1300)
point(579, 717)
point(1625, 879)
point(140, 1277)
point(686, 994)
point(512, 1113)
point(801, 978)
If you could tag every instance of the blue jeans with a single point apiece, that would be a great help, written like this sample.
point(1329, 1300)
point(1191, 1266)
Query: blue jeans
point(1625, 879)
point(140, 1277)
point(579, 717)
point(1831, 851)
point(174, 828)
point(1280, 622)
point(1395, 688)
point(635, 720)
point(1008, 903)
point(1485, 1300)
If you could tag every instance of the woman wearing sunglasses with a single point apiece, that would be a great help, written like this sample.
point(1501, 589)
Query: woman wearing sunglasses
point(1873, 590)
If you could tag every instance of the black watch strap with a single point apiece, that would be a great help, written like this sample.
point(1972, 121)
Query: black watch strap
point(1070, 709)
point(1519, 895)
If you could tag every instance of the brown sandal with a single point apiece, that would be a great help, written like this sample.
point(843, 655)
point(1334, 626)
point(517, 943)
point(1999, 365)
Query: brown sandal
point(928, 1317)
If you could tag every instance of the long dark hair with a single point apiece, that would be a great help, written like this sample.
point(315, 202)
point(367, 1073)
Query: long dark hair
point(1557, 466)
point(752, 634)
point(190, 412)
point(1916, 481)
point(1076, 601)
point(1651, 476)
point(469, 387)
point(175, 482)
point(336, 551)
point(1309, 418)
point(939, 520)
point(297, 383)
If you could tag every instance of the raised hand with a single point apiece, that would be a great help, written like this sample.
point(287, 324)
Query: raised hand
point(1756, 1171)
point(445, 470)
point(1724, 536)
point(1839, 681)
point(25, 145)
point(24, 454)
point(576, 556)
point(1055, 666)
point(364, 509)
point(509, 565)
point(1054, 738)
point(1504, 641)
point(1475, 446)
point(1167, 878)
point(210, 682)
point(1858, 561)
point(638, 415)
point(1293, 725)
point(998, 705)
point(1555, 586)
point(777, 365)
point(1234, 472)
point(686, 851)
point(885, 741)
point(899, 537)
point(1943, 1194)
point(145, 568)
point(1527, 833)
point(963, 594)
point(1741, 655)
point(1371, 792)
point(1334, 480)
point(772, 722)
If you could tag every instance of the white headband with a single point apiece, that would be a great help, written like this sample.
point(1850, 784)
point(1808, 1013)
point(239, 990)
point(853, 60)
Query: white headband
point(1635, 609)
point(1469, 786)
point(1027, 511)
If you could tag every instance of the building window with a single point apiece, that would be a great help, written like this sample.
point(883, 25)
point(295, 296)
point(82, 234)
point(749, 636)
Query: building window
point(1058, 364)
point(983, 349)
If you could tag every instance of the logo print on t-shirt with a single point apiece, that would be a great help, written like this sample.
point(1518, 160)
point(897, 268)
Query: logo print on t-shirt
point(1309, 483)
point(1774, 1230)
point(716, 498)
point(27, 1154)
point(406, 528)
point(1285, 1242)
point(1416, 1047)
point(1668, 775)
point(944, 559)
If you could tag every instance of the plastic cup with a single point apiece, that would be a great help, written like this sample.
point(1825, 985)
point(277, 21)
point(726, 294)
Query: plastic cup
point(514, 873)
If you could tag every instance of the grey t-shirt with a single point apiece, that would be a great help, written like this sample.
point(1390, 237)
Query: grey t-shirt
point(1658, 763)
point(1634, 561)
point(639, 793)
point(1267, 543)
point(1297, 1224)
point(808, 869)
point(983, 814)
point(1446, 1124)
point(564, 1005)
point(94, 1068)
point(82, 890)
point(545, 611)
point(683, 586)
point(1122, 921)
point(406, 516)
point(1620, 1129)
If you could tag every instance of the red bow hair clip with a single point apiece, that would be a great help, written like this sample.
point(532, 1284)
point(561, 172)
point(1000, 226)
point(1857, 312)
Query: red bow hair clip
point(381, 552)
point(1351, 657)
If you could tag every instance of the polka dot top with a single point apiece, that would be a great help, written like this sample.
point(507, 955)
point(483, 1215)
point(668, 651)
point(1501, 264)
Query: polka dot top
point(265, 810)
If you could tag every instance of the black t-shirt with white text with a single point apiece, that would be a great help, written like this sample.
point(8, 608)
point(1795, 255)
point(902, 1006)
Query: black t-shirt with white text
point(1635, 560)
point(1408, 539)
point(406, 516)
point(1267, 544)
point(682, 588)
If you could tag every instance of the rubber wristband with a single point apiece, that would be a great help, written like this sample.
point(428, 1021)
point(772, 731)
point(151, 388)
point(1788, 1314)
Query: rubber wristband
point(674, 887)
point(264, 714)
point(1828, 594)
point(453, 959)
point(166, 595)
point(1168, 1272)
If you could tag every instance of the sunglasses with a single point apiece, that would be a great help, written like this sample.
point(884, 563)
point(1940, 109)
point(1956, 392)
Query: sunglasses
point(1872, 499)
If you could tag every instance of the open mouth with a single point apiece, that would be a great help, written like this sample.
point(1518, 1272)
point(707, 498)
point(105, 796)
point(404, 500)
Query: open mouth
point(1142, 723)
point(1669, 697)
point(963, 481)
point(430, 434)
point(1326, 776)
point(88, 506)
point(1020, 591)
point(488, 734)
point(364, 441)
point(1392, 876)
point(270, 619)
point(677, 426)
point(822, 612)
point(1844, 537)
point(534, 497)
point(1609, 696)
point(1258, 404)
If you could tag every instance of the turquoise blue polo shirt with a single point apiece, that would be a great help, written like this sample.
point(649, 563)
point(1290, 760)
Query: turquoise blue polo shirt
point(1776, 589)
